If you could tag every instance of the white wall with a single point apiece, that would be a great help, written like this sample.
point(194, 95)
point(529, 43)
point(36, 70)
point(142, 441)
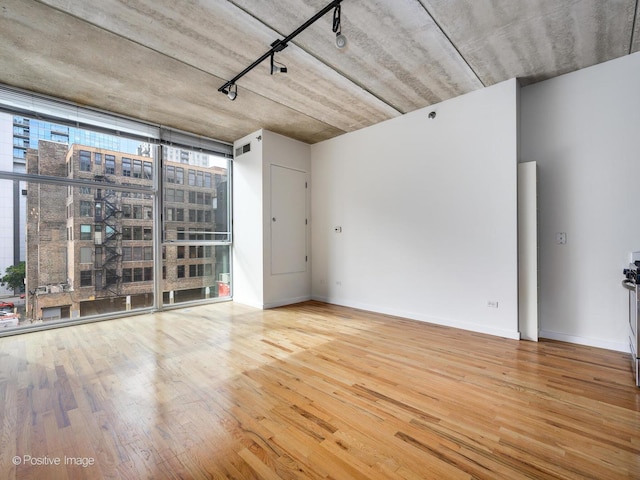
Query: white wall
point(248, 284)
point(283, 289)
point(254, 284)
point(428, 210)
point(583, 131)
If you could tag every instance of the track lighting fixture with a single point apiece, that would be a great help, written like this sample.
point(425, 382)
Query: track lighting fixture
point(230, 89)
point(277, 67)
point(341, 40)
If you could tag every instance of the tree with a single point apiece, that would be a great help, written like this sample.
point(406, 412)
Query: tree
point(14, 277)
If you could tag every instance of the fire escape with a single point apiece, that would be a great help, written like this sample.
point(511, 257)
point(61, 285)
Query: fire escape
point(108, 216)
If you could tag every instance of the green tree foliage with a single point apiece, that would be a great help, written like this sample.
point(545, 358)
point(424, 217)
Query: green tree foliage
point(14, 277)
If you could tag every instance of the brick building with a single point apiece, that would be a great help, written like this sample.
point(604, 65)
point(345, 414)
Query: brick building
point(90, 249)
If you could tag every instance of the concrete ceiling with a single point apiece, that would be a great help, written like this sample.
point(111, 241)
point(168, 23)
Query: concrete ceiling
point(163, 61)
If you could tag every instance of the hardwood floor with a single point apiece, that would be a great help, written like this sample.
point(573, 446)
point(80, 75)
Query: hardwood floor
point(309, 391)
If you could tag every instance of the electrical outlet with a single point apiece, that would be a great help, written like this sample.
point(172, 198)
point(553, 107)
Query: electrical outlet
point(492, 304)
point(561, 238)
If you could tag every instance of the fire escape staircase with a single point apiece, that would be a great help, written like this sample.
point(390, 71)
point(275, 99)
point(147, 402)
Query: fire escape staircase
point(111, 243)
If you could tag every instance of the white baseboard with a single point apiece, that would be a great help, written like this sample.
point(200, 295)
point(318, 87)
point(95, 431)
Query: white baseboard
point(514, 335)
point(589, 342)
point(287, 301)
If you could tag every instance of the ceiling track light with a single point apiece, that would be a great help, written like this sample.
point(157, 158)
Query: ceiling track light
point(277, 67)
point(230, 89)
point(341, 40)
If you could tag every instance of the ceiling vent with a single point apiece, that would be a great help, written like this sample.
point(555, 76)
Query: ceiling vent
point(243, 149)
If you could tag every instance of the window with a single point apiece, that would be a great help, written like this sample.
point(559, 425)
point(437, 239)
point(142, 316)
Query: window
point(200, 179)
point(179, 196)
point(179, 214)
point(192, 197)
point(180, 271)
point(137, 212)
point(180, 176)
point(85, 232)
point(148, 274)
point(98, 258)
point(86, 279)
point(85, 190)
point(169, 214)
point(98, 211)
point(137, 233)
point(192, 178)
point(127, 276)
point(98, 158)
point(126, 254)
point(85, 255)
point(148, 171)
point(138, 275)
point(110, 164)
point(126, 233)
point(207, 180)
point(126, 167)
point(192, 215)
point(147, 213)
point(126, 211)
point(193, 270)
point(137, 254)
point(181, 252)
point(148, 253)
point(137, 168)
point(85, 209)
point(171, 174)
point(169, 195)
point(85, 161)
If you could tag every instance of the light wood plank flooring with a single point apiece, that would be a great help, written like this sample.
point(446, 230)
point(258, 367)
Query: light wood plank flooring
point(309, 391)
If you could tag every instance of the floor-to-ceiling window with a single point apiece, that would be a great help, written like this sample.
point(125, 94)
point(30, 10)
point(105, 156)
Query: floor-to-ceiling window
point(105, 222)
point(196, 228)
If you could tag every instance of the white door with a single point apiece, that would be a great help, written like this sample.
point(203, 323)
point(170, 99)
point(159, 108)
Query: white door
point(288, 220)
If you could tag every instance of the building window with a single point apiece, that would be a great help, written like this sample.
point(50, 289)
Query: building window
point(169, 214)
point(86, 279)
point(180, 176)
point(147, 213)
point(110, 164)
point(98, 158)
point(126, 167)
point(126, 211)
point(200, 179)
point(85, 209)
point(192, 178)
point(137, 233)
point(179, 214)
point(126, 254)
point(148, 274)
point(137, 212)
point(85, 161)
point(127, 275)
point(126, 233)
point(85, 255)
point(137, 168)
point(181, 252)
point(85, 232)
point(148, 171)
point(147, 234)
point(192, 197)
point(207, 180)
point(171, 174)
point(148, 253)
point(179, 196)
point(180, 271)
point(138, 274)
point(169, 195)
